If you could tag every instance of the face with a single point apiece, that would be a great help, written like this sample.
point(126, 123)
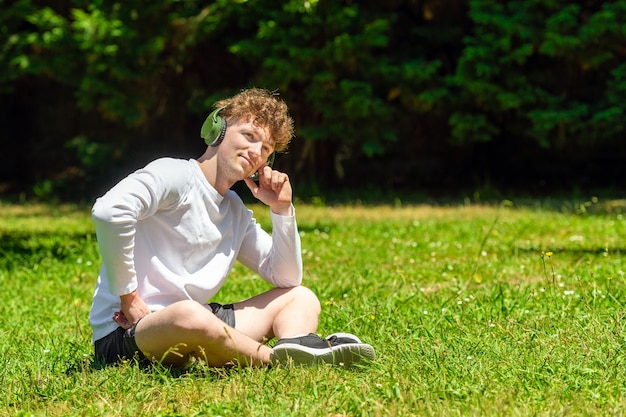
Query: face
point(245, 149)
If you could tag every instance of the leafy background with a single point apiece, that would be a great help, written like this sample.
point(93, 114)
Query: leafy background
point(424, 96)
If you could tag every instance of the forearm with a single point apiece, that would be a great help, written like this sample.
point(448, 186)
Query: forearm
point(286, 250)
point(116, 240)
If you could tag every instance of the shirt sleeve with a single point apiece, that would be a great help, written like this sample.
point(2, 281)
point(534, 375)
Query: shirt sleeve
point(277, 258)
point(115, 216)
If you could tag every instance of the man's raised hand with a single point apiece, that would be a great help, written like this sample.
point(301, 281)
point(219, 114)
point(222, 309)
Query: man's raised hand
point(273, 189)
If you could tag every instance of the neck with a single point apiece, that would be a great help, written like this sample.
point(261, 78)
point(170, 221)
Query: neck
point(208, 166)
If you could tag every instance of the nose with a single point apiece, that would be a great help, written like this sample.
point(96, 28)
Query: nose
point(256, 148)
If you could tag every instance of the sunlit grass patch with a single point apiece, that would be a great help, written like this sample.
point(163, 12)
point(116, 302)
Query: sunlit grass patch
point(473, 310)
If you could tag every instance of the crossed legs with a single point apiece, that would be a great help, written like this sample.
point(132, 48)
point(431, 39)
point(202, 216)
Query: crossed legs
point(188, 329)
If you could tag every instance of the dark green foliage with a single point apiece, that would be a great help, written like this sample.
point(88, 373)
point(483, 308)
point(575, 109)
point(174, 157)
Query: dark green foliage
point(334, 55)
point(445, 92)
point(546, 71)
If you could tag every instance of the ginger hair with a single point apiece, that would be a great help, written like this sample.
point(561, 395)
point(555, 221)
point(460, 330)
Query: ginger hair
point(264, 109)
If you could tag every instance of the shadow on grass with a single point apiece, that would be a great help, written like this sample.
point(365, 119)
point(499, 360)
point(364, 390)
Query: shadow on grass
point(599, 250)
point(18, 246)
point(196, 369)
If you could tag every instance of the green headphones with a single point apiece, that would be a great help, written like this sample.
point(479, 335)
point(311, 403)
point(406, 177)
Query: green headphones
point(214, 128)
point(213, 131)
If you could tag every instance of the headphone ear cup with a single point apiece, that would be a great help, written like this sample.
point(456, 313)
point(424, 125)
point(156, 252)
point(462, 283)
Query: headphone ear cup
point(214, 128)
point(270, 159)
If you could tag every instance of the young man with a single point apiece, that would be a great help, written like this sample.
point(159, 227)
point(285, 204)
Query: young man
point(169, 235)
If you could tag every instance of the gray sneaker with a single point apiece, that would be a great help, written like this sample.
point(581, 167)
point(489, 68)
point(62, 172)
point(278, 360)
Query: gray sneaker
point(342, 349)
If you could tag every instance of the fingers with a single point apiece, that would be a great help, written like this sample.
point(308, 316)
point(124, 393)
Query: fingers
point(133, 309)
point(121, 320)
point(273, 190)
point(270, 178)
point(251, 185)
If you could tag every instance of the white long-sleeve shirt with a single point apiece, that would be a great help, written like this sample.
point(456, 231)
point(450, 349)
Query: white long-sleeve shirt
point(165, 231)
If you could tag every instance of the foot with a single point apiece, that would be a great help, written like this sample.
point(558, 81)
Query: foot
point(342, 349)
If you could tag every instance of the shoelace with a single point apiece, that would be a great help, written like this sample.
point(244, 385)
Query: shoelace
point(335, 341)
point(332, 341)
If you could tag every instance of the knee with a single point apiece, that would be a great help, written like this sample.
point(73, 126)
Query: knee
point(307, 299)
point(190, 315)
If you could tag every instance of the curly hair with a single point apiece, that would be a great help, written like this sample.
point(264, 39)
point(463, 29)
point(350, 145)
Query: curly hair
point(264, 109)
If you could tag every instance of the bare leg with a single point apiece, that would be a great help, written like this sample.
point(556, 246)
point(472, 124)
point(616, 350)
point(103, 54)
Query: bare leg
point(280, 312)
point(188, 329)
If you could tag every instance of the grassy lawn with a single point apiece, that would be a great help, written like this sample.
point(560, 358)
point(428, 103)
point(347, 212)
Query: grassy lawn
point(473, 310)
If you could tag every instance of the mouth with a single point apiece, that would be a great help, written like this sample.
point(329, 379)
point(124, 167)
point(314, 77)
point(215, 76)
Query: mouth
point(250, 165)
point(248, 160)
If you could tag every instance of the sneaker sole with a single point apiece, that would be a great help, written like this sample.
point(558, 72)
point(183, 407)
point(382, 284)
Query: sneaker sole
point(347, 355)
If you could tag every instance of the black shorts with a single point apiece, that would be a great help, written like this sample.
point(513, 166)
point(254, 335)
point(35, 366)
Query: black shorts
point(120, 344)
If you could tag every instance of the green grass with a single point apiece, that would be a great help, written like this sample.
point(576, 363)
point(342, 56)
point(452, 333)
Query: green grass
point(473, 310)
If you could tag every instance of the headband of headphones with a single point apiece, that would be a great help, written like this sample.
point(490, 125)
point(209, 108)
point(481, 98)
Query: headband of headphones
point(214, 128)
